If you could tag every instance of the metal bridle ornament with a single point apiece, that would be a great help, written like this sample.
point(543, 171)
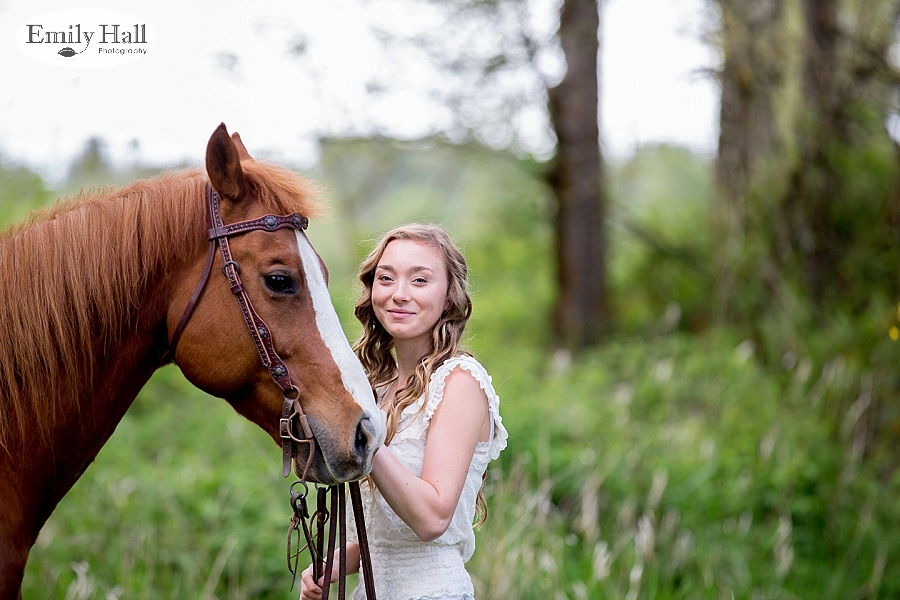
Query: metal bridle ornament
point(294, 428)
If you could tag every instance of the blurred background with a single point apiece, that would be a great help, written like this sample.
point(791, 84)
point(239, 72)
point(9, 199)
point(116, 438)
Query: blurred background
point(682, 219)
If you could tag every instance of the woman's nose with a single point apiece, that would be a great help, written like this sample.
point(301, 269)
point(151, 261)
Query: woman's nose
point(401, 294)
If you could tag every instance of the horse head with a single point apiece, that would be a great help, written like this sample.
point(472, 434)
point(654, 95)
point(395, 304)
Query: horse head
point(286, 282)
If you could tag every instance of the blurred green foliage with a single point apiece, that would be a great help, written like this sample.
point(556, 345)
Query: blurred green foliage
point(661, 269)
point(21, 191)
point(679, 460)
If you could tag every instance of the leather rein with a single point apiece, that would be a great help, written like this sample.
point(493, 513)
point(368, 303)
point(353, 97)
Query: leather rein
point(294, 428)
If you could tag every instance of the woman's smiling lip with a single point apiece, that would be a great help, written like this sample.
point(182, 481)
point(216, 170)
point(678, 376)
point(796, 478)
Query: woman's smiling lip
point(400, 313)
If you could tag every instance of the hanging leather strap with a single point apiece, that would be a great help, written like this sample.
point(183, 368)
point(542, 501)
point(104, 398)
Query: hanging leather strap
point(342, 545)
point(365, 560)
point(336, 490)
point(336, 517)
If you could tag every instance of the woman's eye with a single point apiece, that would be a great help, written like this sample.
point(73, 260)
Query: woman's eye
point(280, 283)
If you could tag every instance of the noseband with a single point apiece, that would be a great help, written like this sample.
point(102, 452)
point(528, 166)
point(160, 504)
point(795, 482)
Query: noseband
point(294, 427)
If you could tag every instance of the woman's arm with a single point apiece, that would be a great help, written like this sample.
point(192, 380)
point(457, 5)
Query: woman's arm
point(312, 590)
point(427, 503)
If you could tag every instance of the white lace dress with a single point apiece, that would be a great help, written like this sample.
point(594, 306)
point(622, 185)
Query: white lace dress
point(404, 567)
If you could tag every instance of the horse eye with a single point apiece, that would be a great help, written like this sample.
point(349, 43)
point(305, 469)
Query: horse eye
point(280, 283)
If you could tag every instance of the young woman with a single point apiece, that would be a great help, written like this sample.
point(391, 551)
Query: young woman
point(443, 420)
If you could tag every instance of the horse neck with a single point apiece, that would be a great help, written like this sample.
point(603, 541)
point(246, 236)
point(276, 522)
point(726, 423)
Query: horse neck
point(36, 479)
point(121, 341)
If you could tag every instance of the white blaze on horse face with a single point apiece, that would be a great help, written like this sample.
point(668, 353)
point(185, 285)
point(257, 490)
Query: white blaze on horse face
point(329, 326)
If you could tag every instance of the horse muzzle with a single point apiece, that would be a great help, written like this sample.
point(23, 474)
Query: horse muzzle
point(338, 458)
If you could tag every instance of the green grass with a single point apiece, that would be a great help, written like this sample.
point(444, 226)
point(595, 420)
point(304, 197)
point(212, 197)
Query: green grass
point(676, 467)
point(679, 468)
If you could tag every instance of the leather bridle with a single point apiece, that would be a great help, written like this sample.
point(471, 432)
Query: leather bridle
point(294, 428)
point(218, 234)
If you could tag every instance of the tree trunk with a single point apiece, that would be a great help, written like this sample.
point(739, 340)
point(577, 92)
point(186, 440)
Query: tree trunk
point(751, 76)
point(816, 184)
point(581, 312)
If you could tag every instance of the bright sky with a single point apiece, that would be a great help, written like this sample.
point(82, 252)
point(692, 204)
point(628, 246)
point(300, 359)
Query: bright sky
point(171, 99)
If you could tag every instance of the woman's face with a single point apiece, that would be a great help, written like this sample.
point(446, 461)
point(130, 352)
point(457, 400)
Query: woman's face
point(409, 291)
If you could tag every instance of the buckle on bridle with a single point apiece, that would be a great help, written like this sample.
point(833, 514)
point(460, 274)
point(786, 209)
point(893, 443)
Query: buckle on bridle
point(288, 434)
point(284, 428)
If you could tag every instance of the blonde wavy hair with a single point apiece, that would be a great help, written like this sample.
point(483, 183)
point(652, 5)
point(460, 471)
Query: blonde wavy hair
point(375, 344)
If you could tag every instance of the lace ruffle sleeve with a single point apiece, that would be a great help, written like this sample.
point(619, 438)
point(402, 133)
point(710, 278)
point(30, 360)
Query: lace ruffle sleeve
point(436, 394)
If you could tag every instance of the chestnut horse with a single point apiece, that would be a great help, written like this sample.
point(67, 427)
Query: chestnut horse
point(91, 293)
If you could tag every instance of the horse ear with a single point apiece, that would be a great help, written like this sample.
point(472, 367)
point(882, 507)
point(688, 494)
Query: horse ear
point(223, 165)
point(242, 150)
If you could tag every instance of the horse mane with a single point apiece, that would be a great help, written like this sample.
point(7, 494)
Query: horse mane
point(74, 276)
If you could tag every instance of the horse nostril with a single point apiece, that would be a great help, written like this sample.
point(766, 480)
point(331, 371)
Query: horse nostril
point(363, 438)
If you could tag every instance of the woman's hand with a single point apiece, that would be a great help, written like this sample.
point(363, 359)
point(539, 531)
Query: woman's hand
point(312, 590)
